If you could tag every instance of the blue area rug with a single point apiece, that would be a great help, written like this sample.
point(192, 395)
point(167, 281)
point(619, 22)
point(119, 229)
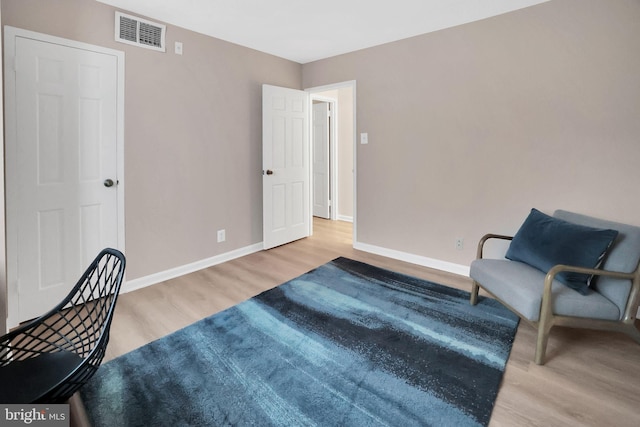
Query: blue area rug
point(346, 344)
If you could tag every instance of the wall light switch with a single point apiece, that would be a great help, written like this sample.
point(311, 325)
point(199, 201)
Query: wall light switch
point(364, 138)
point(178, 48)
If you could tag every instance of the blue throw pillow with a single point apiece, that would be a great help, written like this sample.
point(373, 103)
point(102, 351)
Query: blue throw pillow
point(544, 241)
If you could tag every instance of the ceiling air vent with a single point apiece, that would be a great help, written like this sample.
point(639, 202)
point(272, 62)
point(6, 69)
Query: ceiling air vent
point(139, 32)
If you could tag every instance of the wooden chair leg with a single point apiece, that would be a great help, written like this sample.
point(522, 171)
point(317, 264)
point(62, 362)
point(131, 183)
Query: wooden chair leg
point(633, 332)
point(544, 327)
point(474, 293)
point(541, 345)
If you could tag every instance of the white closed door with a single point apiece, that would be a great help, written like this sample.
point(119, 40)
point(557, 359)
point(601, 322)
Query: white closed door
point(321, 176)
point(285, 162)
point(62, 183)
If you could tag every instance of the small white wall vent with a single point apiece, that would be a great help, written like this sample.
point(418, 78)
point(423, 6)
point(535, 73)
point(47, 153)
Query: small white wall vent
point(140, 32)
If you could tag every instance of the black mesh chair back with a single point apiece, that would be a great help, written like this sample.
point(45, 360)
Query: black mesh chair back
point(51, 357)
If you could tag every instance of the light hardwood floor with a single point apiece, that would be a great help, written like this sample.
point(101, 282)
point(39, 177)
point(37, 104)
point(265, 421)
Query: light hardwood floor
point(590, 379)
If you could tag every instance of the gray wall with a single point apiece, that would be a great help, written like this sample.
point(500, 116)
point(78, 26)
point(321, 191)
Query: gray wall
point(193, 134)
point(345, 152)
point(472, 126)
point(469, 128)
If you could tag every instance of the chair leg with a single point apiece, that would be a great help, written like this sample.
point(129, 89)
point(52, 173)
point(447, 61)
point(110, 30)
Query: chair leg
point(544, 327)
point(633, 332)
point(474, 293)
point(541, 346)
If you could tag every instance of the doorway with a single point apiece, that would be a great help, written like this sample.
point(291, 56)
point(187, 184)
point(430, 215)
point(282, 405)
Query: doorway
point(342, 150)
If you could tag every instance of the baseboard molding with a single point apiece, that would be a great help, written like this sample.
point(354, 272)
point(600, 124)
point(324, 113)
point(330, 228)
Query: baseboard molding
point(152, 279)
point(345, 218)
point(437, 264)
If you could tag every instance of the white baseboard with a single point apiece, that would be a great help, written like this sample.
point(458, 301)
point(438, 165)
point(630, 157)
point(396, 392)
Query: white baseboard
point(152, 279)
point(345, 218)
point(450, 267)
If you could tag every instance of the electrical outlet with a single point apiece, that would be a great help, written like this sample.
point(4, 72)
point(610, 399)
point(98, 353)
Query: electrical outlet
point(221, 236)
point(459, 243)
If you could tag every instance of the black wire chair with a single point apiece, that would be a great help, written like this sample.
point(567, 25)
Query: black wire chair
point(48, 359)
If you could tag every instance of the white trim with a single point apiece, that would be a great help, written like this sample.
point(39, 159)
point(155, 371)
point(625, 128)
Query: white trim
point(450, 267)
point(345, 218)
point(172, 273)
point(10, 35)
point(120, 152)
point(333, 152)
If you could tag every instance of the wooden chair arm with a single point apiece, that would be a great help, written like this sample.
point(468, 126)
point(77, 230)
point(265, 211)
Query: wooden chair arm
point(546, 320)
point(556, 269)
point(546, 312)
point(486, 237)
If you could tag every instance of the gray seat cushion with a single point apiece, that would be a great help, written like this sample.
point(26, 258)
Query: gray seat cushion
point(623, 256)
point(520, 286)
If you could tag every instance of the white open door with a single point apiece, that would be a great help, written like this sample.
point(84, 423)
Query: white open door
point(285, 164)
point(62, 169)
point(321, 184)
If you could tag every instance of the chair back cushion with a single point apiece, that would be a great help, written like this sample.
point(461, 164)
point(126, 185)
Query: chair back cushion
point(623, 256)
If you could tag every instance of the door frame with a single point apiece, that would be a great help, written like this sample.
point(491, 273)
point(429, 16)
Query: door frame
point(341, 85)
point(11, 243)
point(333, 155)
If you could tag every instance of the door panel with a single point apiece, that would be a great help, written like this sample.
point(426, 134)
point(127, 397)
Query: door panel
point(65, 147)
point(285, 161)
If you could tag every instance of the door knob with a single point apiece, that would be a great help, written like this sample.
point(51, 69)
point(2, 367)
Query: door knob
point(269, 172)
point(108, 182)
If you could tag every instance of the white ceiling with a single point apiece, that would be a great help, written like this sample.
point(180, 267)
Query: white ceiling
point(304, 31)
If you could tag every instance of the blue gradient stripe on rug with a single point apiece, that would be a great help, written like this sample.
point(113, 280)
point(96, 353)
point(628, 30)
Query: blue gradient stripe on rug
point(347, 344)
